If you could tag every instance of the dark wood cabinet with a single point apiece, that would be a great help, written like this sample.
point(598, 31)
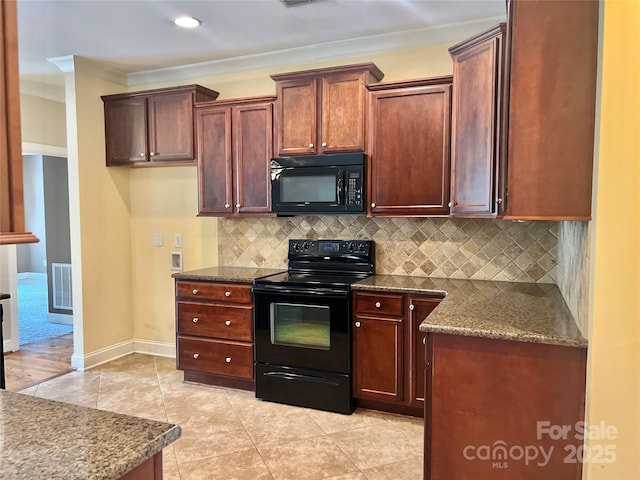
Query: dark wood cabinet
point(478, 103)
point(214, 333)
point(388, 350)
point(552, 98)
point(153, 127)
point(408, 148)
point(488, 393)
point(234, 139)
point(323, 110)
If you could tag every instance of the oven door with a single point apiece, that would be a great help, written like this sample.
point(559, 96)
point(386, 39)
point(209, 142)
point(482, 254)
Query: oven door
point(300, 327)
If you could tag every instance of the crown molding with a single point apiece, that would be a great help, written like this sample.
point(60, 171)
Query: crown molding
point(75, 63)
point(358, 46)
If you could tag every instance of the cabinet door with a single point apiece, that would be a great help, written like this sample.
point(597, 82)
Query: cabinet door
point(475, 134)
point(214, 161)
point(343, 113)
point(126, 131)
point(553, 73)
point(171, 127)
point(296, 117)
point(378, 361)
point(409, 151)
point(419, 308)
point(252, 145)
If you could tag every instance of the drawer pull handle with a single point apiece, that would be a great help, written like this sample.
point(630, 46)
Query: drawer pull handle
point(227, 323)
point(227, 294)
point(378, 304)
point(358, 324)
point(195, 319)
point(194, 291)
point(196, 355)
point(228, 359)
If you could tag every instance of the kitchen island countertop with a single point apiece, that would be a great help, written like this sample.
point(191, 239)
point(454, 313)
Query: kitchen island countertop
point(227, 274)
point(47, 439)
point(526, 312)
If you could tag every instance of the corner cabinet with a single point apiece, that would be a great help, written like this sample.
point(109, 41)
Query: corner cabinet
point(323, 110)
point(235, 146)
point(388, 350)
point(477, 147)
point(214, 333)
point(408, 148)
point(492, 394)
point(152, 127)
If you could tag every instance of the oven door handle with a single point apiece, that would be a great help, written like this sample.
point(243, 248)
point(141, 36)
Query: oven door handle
point(298, 377)
point(320, 292)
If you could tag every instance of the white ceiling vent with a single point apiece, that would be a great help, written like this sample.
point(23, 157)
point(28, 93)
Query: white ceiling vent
point(295, 3)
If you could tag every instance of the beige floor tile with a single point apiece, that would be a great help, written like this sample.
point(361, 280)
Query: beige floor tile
point(411, 469)
point(73, 383)
point(312, 459)
point(170, 464)
point(336, 422)
point(30, 391)
point(204, 441)
point(377, 445)
point(243, 465)
point(354, 476)
point(277, 428)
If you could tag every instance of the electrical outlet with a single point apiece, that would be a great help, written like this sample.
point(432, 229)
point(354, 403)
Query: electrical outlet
point(177, 240)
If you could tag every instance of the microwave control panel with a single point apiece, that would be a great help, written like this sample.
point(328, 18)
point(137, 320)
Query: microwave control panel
point(354, 188)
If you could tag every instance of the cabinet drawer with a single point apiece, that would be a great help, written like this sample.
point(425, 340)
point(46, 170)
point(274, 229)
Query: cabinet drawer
point(381, 304)
point(233, 359)
point(232, 322)
point(230, 292)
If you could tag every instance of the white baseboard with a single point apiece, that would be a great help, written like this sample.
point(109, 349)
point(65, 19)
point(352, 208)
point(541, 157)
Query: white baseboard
point(104, 355)
point(60, 318)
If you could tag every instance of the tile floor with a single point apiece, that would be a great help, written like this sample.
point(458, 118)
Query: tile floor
point(230, 435)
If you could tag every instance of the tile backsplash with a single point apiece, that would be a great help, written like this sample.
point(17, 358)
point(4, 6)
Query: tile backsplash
point(440, 247)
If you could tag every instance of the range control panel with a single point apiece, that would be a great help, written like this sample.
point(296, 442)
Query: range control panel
point(330, 247)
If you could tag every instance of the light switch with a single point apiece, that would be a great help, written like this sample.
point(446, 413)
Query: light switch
point(177, 240)
point(156, 240)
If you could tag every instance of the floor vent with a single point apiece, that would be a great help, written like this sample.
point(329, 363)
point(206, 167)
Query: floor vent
point(62, 298)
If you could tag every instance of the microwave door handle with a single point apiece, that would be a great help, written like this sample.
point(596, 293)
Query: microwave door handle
point(340, 187)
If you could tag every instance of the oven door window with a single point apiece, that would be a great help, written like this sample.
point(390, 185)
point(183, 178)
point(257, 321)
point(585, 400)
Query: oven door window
point(299, 325)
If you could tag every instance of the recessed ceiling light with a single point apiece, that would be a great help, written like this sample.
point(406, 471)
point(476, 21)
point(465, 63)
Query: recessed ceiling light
point(187, 22)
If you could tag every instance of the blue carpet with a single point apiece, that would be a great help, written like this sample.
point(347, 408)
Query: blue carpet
point(32, 311)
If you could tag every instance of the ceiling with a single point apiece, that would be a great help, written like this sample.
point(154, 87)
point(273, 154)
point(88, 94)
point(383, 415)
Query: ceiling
point(134, 36)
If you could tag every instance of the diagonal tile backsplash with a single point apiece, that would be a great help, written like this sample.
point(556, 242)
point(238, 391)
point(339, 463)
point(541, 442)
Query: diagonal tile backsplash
point(439, 247)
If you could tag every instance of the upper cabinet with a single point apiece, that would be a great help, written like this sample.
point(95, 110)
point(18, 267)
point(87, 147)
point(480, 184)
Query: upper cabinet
point(477, 156)
point(408, 148)
point(552, 101)
point(235, 139)
point(524, 114)
point(11, 200)
point(323, 110)
point(152, 127)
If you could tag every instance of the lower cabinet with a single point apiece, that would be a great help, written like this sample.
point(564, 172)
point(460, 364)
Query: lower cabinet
point(214, 327)
point(388, 350)
point(490, 402)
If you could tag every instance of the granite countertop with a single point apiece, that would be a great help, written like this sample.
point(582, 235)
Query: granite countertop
point(526, 312)
point(46, 439)
point(227, 274)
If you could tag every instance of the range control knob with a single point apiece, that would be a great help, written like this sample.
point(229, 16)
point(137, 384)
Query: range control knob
point(306, 245)
point(362, 247)
point(296, 247)
point(351, 246)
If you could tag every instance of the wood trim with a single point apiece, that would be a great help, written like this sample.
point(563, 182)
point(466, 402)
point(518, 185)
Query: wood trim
point(219, 380)
point(233, 102)
point(199, 92)
point(481, 37)
point(372, 69)
point(419, 82)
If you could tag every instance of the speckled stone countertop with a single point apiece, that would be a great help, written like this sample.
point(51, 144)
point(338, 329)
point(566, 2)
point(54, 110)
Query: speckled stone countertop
point(525, 312)
point(227, 274)
point(43, 439)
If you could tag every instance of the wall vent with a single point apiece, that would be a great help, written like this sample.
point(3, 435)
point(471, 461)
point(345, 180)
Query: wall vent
point(62, 298)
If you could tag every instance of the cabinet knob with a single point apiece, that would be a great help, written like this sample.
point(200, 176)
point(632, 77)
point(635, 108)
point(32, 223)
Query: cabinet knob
point(412, 306)
point(195, 319)
point(373, 205)
point(226, 205)
point(194, 291)
point(227, 323)
point(358, 324)
point(324, 144)
point(142, 154)
point(196, 355)
point(450, 204)
point(424, 340)
point(152, 154)
point(228, 359)
point(499, 201)
point(378, 304)
point(311, 145)
point(227, 294)
point(237, 205)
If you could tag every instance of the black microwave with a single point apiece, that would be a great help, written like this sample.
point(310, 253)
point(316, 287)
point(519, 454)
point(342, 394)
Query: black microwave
point(318, 184)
